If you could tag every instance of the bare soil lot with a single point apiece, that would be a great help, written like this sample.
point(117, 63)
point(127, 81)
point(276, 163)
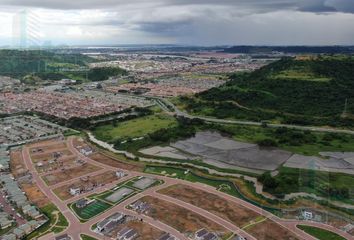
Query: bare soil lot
point(47, 155)
point(181, 219)
point(110, 161)
point(230, 211)
point(48, 145)
point(269, 230)
point(98, 180)
point(35, 195)
point(67, 174)
point(17, 165)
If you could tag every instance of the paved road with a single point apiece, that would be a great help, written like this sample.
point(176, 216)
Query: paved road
point(250, 123)
point(76, 228)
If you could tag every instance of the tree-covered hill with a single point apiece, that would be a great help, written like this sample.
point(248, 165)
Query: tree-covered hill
point(16, 63)
point(287, 91)
point(36, 64)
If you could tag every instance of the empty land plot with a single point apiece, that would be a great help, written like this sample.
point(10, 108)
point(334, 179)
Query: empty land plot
point(63, 152)
point(233, 212)
point(47, 146)
point(91, 210)
point(144, 183)
point(119, 194)
point(67, 174)
point(269, 230)
point(18, 167)
point(181, 219)
point(145, 231)
point(98, 180)
point(135, 128)
point(110, 161)
point(35, 195)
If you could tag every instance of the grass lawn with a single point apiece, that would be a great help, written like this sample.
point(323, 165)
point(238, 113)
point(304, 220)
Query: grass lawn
point(315, 141)
point(222, 185)
point(134, 128)
point(60, 225)
point(85, 237)
point(310, 181)
point(300, 74)
point(319, 233)
point(91, 210)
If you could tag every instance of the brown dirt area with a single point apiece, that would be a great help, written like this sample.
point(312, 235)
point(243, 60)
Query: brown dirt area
point(67, 162)
point(179, 218)
point(269, 230)
point(97, 180)
point(48, 145)
point(35, 195)
point(233, 212)
point(67, 174)
point(145, 231)
point(47, 155)
point(113, 162)
point(17, 165)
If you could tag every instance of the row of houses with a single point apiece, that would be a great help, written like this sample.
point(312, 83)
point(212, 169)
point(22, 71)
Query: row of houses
point(110, 223)
point(23, 230)
point(140, 206)
point(5, 220)
point(4, 159)
point(167, 236)
point(204, 234)
point(127, 234)
point(17, 197)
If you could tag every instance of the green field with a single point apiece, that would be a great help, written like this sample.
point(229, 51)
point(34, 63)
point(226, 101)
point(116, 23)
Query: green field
point(296, 141)
point(53, 224)
point(336, 186)
point(300, 73)
point(134, 128)
point(85, 237)
point(91, 210)
point(320, 234)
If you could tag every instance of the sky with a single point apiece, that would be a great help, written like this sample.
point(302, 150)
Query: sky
point(189, 22)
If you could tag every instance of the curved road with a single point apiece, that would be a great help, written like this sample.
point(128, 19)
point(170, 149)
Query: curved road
point(76, 227)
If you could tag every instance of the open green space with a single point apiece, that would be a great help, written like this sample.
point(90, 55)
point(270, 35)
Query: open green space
point(320, 234)
point(135, 128)
point(336, 186)
point(85, 237)
point(91, 210)
point(296, 141)
point(56, 222)
point(35, 66)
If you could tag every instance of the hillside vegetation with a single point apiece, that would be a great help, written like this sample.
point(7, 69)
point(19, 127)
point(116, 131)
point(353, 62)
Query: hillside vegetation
point(35, 65)
point(309, 92)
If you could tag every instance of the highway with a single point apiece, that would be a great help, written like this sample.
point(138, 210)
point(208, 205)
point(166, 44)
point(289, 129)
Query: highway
point(177, 112)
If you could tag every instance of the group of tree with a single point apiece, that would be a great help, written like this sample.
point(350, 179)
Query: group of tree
point(262, 96)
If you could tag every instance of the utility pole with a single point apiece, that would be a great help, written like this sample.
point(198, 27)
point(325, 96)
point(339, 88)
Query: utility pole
point(344, 114)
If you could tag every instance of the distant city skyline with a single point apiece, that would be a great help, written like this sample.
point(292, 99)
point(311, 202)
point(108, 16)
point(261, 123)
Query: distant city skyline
point(183, 22)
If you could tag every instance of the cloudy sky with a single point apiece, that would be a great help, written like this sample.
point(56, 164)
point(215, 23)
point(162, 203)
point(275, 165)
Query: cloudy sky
point(193, 22)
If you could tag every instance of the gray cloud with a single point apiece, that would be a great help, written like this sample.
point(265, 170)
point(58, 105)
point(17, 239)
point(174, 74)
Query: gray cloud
point(199, 21)
point(251, 5)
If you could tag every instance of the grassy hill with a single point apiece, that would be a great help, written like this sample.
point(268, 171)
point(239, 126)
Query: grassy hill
point(293, 91)
point(31, 65)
